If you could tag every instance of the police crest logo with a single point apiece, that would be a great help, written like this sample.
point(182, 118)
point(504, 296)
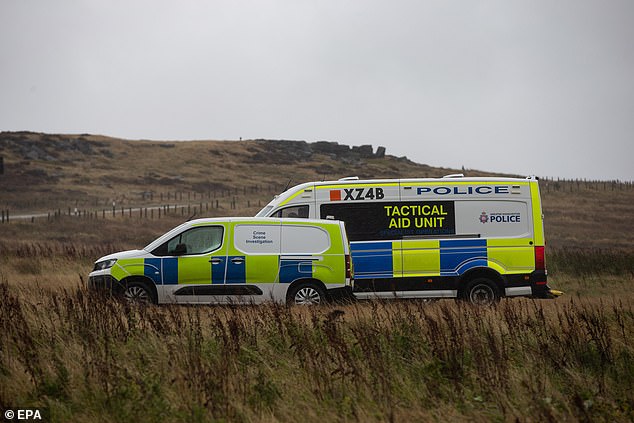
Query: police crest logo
point(484, 218)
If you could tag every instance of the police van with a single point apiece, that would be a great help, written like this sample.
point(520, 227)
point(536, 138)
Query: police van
point(473, 238)
point(234, 260)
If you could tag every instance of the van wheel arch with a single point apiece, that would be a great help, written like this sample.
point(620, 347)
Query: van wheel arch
point(297, 285)
point(138, 281)
point(486, 281)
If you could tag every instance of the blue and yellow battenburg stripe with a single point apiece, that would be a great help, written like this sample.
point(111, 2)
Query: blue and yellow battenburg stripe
point(169, 271)
point(454, 257)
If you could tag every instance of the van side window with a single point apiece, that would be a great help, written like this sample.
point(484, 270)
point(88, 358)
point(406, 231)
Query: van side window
point(364, 222)
point(293, 211)
point(200, 240)
point(257, 239)
point(391, 220)
point(304, 240)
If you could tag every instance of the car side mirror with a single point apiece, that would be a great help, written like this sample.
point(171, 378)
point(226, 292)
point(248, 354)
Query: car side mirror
point(180, 249)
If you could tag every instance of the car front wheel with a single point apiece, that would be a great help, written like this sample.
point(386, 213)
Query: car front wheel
point(138, 292)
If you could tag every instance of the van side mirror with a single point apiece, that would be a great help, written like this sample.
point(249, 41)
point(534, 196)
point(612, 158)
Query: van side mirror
point(180, 250)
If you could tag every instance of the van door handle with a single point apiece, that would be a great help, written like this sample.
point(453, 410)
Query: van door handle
point(237, 260)
point(215, 260)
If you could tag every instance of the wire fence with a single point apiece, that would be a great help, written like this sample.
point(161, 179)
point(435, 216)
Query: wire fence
point(188, 203)
point(576, 185)
point(157, 204)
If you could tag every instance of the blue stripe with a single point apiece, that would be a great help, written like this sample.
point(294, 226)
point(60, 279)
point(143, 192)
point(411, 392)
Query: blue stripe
point(372, 259)
point(456, 243)
point(459, 255)
point(218, 271)
point(152, 269)
point(236, 273)
point(289, 270)
point(170, 271)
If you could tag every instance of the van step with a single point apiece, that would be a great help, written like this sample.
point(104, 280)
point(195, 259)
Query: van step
point(555, 293)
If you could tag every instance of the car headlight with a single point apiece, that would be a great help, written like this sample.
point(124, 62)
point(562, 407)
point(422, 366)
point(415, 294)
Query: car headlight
point(104, 264)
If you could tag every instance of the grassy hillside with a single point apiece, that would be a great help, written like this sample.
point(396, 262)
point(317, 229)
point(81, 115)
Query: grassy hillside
point(51, 173)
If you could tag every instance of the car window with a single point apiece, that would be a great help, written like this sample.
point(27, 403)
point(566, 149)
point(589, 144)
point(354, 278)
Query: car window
point(200, 240)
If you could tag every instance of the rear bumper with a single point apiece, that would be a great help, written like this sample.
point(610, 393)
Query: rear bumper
point(539, 284)
point(534, 285)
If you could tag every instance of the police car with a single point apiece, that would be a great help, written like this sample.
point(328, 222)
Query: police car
point(234, 260)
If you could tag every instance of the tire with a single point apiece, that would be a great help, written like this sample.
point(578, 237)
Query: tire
point(306, 294)
point(138, 292)
point(481, 291)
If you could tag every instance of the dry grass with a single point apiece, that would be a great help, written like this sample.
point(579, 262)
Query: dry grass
point(589, 218)
point(82, 357)
point(86, 358)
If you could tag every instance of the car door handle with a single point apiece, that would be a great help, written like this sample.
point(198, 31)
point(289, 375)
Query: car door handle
point(215, 261)
point(237, 260)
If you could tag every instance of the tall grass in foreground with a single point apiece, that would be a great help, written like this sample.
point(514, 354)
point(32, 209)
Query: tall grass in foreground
point(88, 358)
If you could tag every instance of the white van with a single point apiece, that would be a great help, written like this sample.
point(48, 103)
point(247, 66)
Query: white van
point(473, 238)
point(234, 260)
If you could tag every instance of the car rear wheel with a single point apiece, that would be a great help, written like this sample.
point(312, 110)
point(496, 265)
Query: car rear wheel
point(306, 294)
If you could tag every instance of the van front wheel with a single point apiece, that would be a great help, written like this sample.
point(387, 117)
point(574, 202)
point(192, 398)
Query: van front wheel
point(306, 294)
point(481, 291)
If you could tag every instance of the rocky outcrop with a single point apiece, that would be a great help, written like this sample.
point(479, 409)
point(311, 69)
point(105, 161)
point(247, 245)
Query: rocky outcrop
point(285, 151)
point(49, 147)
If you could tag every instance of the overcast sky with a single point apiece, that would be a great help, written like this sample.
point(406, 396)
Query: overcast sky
point(541, 87)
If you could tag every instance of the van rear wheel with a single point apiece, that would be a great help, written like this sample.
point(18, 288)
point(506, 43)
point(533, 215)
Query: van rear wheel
point(306, 294)
point(481, 291)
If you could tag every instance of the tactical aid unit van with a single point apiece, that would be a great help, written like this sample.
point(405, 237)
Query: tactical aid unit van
point(234, 260)
point(472, 238)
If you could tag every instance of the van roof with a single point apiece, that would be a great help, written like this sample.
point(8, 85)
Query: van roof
point(448, 179)
point(350, 181)
point(264, 220)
